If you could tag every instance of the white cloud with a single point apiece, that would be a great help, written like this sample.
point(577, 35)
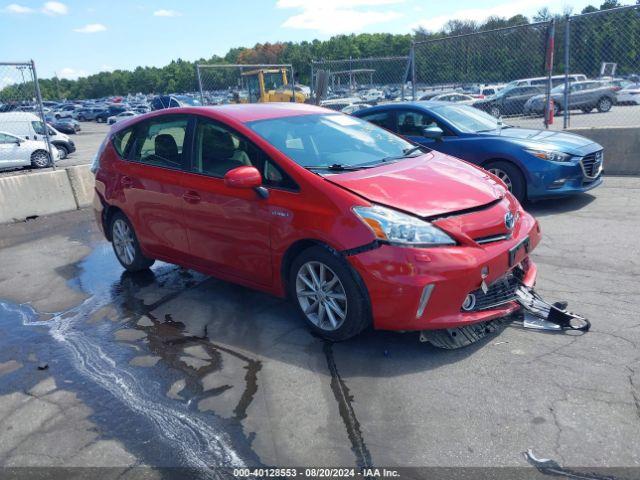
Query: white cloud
point(526, 7)
point(54, 8)
point(71, 73)
point(337, 16)
point(91, 28)
point(20, 9)
point(166, 13)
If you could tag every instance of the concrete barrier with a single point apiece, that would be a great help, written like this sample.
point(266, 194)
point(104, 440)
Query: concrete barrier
point(44, 193)
point(621, 148)
point(40, 193)
point(82, 184)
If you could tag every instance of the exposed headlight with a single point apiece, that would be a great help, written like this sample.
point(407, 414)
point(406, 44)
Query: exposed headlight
point(550, 155)
point(401, 229)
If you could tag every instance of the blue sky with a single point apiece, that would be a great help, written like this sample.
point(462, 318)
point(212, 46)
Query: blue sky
point(73, 38)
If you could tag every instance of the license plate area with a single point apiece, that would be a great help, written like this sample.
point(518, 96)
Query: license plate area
point(522, 248)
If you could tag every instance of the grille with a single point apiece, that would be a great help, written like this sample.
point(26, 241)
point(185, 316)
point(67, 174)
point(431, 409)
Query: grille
point(592, 164)
point(501, 291)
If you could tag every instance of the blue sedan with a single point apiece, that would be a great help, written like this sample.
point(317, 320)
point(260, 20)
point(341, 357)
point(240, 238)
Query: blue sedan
point(534, 164)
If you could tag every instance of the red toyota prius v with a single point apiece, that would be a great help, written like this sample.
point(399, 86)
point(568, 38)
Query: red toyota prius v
point(357, 226)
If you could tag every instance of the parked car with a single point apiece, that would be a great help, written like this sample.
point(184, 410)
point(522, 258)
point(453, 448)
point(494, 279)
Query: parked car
point(509, 101)
point(583, 96)
point(29, 127)
point(484, 91)
point(334, 212)
point(534, 164)
point(349, 109)
point(121, 116)
point(64, 111)
point(18, 152)
point(173, 101)
point(629, 95)
point(455, 97)
point(66, 125)
point(112, 110)
point(87, 114)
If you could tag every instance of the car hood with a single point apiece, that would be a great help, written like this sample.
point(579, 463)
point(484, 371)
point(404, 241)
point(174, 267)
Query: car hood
point(430, 185)
point(547, 139)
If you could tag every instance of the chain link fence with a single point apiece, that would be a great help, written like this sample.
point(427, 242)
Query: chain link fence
point(583, 68)
point(248, 83)
point(352, 83)
point(24, 140)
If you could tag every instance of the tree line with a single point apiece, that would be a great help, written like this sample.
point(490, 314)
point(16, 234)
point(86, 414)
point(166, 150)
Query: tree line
point(516, 53)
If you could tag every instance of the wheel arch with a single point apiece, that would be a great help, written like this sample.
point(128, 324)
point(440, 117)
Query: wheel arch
point(107, 216)
point(522, 171)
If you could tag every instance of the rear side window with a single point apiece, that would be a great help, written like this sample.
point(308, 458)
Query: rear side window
point(122, 142)
point(160, 141)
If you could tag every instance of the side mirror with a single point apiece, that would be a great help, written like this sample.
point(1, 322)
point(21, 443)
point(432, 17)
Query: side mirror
point(433, 132)
point(243, 177)
point(17, 141)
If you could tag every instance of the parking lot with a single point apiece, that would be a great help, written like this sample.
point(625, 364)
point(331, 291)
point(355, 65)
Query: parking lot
point(174, 369)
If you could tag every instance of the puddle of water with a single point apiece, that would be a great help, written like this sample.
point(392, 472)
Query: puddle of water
point(200, 440)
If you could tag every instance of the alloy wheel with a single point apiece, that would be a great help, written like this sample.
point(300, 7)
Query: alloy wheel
point(123, 241)
point(502, 175)
point(321, 295)
point(40, 159)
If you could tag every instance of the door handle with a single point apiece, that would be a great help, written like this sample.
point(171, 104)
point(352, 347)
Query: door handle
point(191, 197)
point(126, 181)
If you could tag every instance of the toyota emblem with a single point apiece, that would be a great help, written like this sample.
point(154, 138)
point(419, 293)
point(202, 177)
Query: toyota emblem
point(509, 220)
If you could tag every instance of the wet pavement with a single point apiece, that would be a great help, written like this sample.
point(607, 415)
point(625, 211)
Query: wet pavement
point(170, 368)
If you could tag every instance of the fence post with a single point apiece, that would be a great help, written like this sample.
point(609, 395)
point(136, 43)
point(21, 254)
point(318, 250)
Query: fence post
point(200, 83)
point(549, 67)
point(412, 59)
point(41, 111)
point(567, 34)
point(293, 85)
point(311, 85)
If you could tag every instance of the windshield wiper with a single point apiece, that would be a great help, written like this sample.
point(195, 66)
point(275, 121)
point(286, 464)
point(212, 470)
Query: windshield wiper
point(405, 154)
point(337, 167)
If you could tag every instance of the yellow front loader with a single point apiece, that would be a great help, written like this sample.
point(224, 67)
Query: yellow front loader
point(270, 85)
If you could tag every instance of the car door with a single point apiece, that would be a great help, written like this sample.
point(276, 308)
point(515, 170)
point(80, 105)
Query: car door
point(12, 152)
point(150, 181)
point(229, 228)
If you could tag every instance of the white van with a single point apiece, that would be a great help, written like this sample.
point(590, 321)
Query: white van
point(28, 126)
point(542, 81)
point(18, 152)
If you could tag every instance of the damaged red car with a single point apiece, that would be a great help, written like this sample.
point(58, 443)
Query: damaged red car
point(357, 226)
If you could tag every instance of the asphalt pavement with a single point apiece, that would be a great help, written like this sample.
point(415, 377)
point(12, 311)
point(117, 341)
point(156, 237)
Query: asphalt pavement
point(170, 368)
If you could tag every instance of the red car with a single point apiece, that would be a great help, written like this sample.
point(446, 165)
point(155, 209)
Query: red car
point(356, 225)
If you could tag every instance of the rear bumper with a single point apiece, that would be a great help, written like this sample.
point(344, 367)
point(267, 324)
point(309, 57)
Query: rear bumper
point(396, 278)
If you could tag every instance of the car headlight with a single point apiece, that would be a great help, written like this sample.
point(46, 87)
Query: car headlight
point(550, 155)
point(401, 229)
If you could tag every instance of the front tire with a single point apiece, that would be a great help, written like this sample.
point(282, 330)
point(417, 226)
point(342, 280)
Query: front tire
point(125, 245)
point(63, 152)
point(511, 176)
point(328, 294)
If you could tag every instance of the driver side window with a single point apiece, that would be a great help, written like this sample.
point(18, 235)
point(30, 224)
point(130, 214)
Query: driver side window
point(218, 150)
point(413, 123)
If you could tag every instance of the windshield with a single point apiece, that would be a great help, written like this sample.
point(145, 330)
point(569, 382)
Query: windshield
point(467, 119)
point(326, 139)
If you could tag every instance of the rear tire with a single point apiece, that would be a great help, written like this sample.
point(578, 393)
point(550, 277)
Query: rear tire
point(125, 244)
point(511, 176)
point(40, 159)
point(332, 300)
point(604, 105)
